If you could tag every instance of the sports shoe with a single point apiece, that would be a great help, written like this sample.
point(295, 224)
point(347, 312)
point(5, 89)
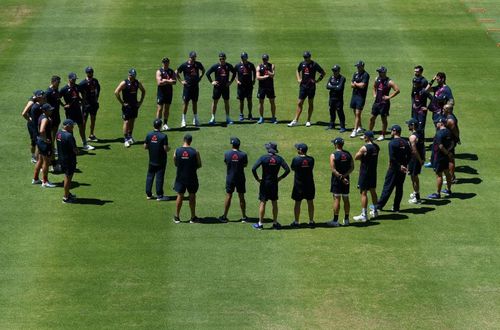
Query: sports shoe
point(250, 117)
point(177, 219)
point(346, 222)
point(70, 195)
point(454, 180)
point(428, 165)
point(292, 123)
point(360, 130)
point(196, 122)
point(37, 181)
point(333, 224)
point(353, 134)
point(244, 219)
point(48, 184)
point(274, 120)
point(361, 217)
point(88, 147)
point(92, 138)
point(164, 127)
point(294, 225)
point(257, 226)
point(394, 210)
point(342, 130)
point(33, 160)
point(381, 138)
point(229, 121)
point(194, 220)
point(162, 198)
point(149, 198)
point(414, 200)
point(434, 196)
point(261, 120)
point(211, 122)
point(277, 226)
point(446, 192)
point(131, 140)
point(373, 213)
point(183, 124)
point(413, 195)
point(126, 144)
point(68, 200)
point(329, 127)
point(223, 219)
point(308, 124)
point(242, 117)
point(312, 224)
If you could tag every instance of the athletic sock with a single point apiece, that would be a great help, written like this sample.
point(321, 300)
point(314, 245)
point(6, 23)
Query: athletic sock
point(335, 218)
point(184, 117)
point(363, 212)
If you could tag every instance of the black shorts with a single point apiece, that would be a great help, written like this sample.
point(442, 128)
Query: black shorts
point(68, 168)
point(300, 192)
point(339, 188)
point(238, 185)
point(44, 148)
point(307, 92)
point(357, 102)
point(129, 112)
point(367, 182)
point(381, 109)
point(414, 167)
point(181, 187)
point(221, 91)
point(440, 165)
point(244, 92)
point(75, 114)
point(190, 93)
point(56, 119)
point(90, 109)
point(33, 132)
point(268, 191)
point(262, 93)
point(164, 98)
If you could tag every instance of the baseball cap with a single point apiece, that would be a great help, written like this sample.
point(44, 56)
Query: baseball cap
point(412, 121)
point(338, 140)
point(55, 78)
point(265, 56)
point(39, 93)
point(396, 128)
point(369, 134)
point(157, 123)
point(244, 55)
point(234, 141)
point(336, 68)
point(188, 137)
point(47, 107)
point(382, 69)
point(271, 147)
point(72, 76)
point(307, 54)
point(359, 63)
point(68, 122)
point(89, 69)
point(192, 54)
point(302, 147)
point(132, 72)
point(222, 54)
point(165, 60)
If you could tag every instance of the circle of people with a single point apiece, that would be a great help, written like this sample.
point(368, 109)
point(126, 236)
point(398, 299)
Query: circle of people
point(80, 102)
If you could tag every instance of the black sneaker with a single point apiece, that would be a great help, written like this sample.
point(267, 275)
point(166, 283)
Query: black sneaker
point(277, 226)
point(294, 224)
point(244, 219)
point(312, 224)
point(71, 196)
point(177, 219)
point(223, 219)
point(194, 220)
point(68, 200)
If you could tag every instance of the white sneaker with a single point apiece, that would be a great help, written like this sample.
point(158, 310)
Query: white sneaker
point(126, 144)
point(413, 194)
point(165, 127)
point(183, 124)
point(308, 124)
point(381, 138)
point(33, 160)
point(162, 198)
point(48, 184)
point(33, 181)
point(333, 224)
point(360, 217)
point(414, 200)
point(373, 214)
point(360, 130)
point(88, 147)
point(196, 122)
point(292, 123)
point(131, 141)
point(353, 134)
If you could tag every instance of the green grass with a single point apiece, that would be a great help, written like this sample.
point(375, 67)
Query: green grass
point(119, 261)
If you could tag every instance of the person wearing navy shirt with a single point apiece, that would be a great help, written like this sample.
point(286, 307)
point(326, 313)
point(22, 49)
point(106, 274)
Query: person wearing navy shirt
point(359, 85)
point(236, 161)
point(245, 79)
point(165, 79)
point(306, 77)
point(221, 83)
point(442, 95)
point(417, 146)
point(382, 104)
point(265, 77)
point(271, 164)
point(44, 146)
point(157, 145)
point(336, 85)
point(341, 166)
point(54, 99)
point(90, 90)
point(193, 71)
point(399, 156)
point(420, 96)
point(418, 82)
point(303, 183)
point(441, 157)
point(126, 93)
point(31, 113)
point(452, 125)
point(67, 151)
point(188, 161)
point(367, 180)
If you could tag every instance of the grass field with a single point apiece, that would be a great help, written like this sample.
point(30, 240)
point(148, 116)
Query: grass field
point(115, 260)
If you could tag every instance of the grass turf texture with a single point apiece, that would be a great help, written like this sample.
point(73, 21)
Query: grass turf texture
point(118, 261)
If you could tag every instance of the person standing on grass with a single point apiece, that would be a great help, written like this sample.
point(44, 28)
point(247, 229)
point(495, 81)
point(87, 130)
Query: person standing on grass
point(73, 107)
point(418, 82)
point(336, 85)
point(90, 90)
point(67, 151)
point(236, 161)
point(303, 184)
point(126, 93)
point(442, 95)
point(165, 79)
point(265, 76)
point(359, 85)
point(382, 104)
point(221, 85)
point(268, 184)
point(441, 158)
point(341, 166)
point(188, 161)
point(452, 125)
point(399, 156)
point(31, 113)
point(157, 145)
point(54, 99)
point(44, 146)
point(193, 71)
point(417, 145)
point(245, 79)
point(306, 77)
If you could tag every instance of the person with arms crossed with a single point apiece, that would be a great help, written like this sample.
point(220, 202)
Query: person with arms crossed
point(265, 77)
point(67, 151)
point(188, 161)
point(165, 79)
point(193, 71)
point(336, 85)
point(268, 184)
point(221, 85)
point(417, 146)
point(245, 79)
point(44, 146)
point(359, 85)
point(303, 183)
point(157, 145)
point(90, 90)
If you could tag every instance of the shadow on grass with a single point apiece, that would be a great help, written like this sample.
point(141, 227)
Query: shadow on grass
point(462, 195)
point(103, 147)
point(116, 140)
point(466, 156)
point(466, 169)
point(418, 210)
point(391, 216)
point(91, 201)
point(185, 129)
point(469, 180)
point(437, 202)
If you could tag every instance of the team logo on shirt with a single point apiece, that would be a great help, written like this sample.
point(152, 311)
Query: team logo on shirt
point(154, 139)
point(343, 157)
point(185, 155)
point(305, 163)
point(59, 137)
point(235, 158)
point(272, 161)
